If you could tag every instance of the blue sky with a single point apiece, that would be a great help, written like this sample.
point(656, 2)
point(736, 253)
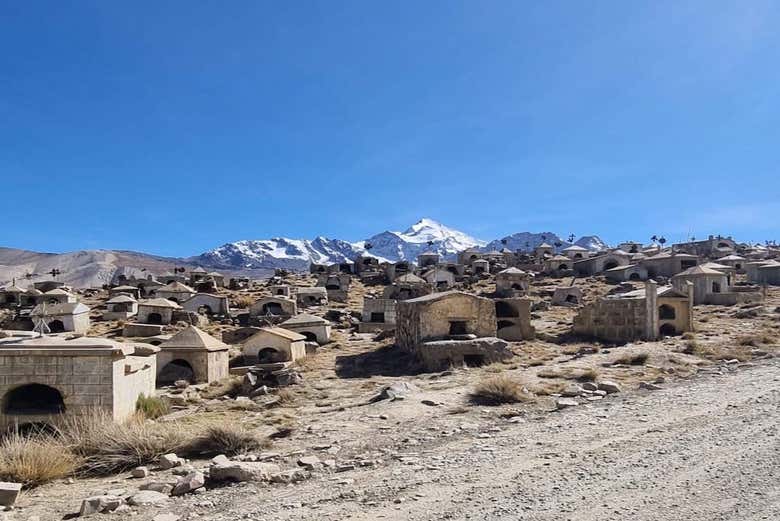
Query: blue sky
point(173, 127)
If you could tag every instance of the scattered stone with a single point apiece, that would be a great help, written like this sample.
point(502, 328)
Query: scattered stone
point(189, 483)
point(100, 504)
point(140, 472)
point(609, 386)
point(183, 470)
point(243, 471)
point(9, 491)
point(181, 384)
point(289, 476)
point(395, 391)
point(572, 391)
point(563, 403)
point(649, 386)
point(169, 461)
point(590, 386)
point(147, 497)
point(310, 462)
point(159, 486)
point(219, 460)
point(432, 403)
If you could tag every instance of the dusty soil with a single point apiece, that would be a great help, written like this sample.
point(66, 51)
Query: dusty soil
point(702, 449)
point(703, 446)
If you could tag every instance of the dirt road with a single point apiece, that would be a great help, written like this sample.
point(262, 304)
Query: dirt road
point(704, 449)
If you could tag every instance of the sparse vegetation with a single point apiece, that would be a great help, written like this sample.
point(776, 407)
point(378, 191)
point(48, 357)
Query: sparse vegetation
point(286, 396)
point(226, 439)
point(579, 374)
point(547, 388)
point(152, 407)
point(34, 459)
point(498, 390)
point(230, 386)
point(243, 301)
point(106, 447)
point(632, 359)
point(755, 340)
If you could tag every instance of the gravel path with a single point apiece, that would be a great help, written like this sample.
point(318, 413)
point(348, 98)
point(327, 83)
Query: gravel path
point(703, 449)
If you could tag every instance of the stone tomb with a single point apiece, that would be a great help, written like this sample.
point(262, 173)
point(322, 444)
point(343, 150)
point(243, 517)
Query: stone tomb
point(47, 378)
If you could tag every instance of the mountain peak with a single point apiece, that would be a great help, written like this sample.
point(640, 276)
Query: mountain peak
point(423, 223)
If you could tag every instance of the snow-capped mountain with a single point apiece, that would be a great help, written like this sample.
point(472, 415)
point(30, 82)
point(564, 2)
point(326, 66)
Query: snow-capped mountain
point(279, 252)
point(297, 254)
point(526, 241)
point(424, 235)
point(592, 243)
point(93, 268)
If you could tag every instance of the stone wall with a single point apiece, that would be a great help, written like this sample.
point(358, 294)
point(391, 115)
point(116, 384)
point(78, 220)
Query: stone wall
point(613, 320)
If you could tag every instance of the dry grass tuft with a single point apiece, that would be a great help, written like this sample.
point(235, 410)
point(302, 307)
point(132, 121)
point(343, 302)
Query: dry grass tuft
point(244, 301)
point(226, 439)
point(755, 340)
point(633, 359)
point(740, 353)
point(497, 390)
point(105, 447)
point(33, 460)
point(230, 386)
point(286, 396)
point(587, 374)
point(547, 388)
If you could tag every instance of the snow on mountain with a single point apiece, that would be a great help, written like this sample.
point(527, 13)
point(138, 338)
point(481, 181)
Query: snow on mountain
point(592, 243)
point(92, 268)
point(279, 252)
point(424, 235)
point(296, 254)
point(389, 246)
point(527, 241)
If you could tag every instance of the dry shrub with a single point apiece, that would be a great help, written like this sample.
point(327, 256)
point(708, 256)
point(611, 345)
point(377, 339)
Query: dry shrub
point(755, 340)
point(691, 347)
point(689, 336)
point(579, 374)
point(717, 352)
point(152, 407)
point(105, 447)
point(286, 396)
point(305, 364)
point(633, 359)
point(243, 301)
point(547, 388)
point(225, 439)
point(230, 386)
point(33, 460)
point(497, 390)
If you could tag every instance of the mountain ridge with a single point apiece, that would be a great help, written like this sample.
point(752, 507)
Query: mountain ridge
point(259, 257)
